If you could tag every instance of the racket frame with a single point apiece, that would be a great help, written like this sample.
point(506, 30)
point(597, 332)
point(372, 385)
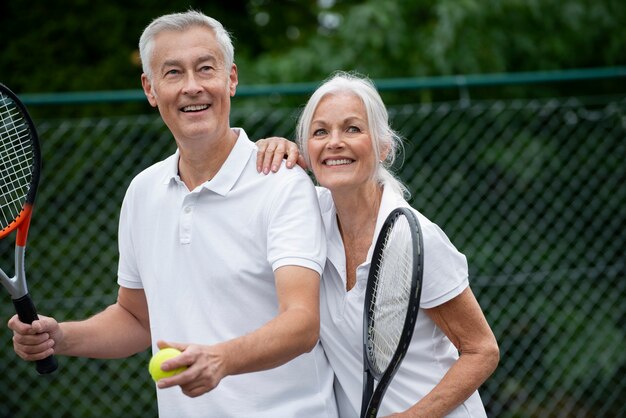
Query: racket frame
point(17, 285)
point(372, 398)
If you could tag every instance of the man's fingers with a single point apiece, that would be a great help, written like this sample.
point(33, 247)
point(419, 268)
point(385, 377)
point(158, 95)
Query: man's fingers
point(33, 347)
point(37, 327)
point(31, 339)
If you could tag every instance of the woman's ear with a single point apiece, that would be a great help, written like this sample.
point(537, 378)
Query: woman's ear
point(384, 152)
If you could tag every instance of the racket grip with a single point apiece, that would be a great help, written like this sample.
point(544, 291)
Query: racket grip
point(27, 313)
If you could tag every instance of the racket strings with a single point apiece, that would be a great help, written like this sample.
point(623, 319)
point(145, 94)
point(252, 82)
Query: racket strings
point(392, 292)
point(16, 161)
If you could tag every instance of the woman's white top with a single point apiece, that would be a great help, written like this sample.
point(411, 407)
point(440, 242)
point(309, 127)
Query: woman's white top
point(430, 354)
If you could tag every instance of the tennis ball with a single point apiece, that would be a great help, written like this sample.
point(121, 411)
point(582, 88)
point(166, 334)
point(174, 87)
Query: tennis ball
point(155, 364)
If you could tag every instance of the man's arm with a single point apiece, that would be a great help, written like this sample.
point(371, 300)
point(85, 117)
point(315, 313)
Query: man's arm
point(295, 330)
point(119, 331)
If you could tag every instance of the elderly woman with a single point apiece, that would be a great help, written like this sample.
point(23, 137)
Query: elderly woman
point(344, 137)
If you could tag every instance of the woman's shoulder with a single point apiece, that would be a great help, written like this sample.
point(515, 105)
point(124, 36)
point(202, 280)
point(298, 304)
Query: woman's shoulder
point(432, 232)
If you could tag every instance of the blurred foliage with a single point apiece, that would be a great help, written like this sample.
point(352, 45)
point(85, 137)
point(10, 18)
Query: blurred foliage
point(80, 45)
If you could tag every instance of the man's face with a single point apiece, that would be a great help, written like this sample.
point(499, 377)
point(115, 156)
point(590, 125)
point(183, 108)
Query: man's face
point(190, 85)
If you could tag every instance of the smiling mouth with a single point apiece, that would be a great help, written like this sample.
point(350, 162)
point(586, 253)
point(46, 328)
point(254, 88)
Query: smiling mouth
point(194, 108)
point(344, 161)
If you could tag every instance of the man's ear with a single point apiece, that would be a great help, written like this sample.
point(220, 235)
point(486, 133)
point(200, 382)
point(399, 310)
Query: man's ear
point(234, 80)
point(147, 89)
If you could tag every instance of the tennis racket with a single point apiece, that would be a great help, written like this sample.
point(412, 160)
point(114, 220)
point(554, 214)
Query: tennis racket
point(392, 300)
point(20, 166)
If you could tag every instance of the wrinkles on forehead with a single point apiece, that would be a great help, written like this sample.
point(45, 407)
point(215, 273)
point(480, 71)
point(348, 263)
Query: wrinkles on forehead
point(175, 47)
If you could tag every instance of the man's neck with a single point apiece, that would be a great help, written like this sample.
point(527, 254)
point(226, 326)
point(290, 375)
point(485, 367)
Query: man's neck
point(200, 161)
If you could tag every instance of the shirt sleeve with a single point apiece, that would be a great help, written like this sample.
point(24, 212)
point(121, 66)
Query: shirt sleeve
point(445, 268)
point(127, 271)
point(295, 230)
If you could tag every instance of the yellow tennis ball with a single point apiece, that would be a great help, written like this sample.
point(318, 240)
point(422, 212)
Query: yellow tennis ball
point(155, 364)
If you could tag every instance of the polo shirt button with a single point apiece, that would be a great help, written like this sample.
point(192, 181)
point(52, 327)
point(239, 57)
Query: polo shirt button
point(188, 209)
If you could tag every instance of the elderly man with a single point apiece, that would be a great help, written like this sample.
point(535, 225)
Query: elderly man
point(216, 260)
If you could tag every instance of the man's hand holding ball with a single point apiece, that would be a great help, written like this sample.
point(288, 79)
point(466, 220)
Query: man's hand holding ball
point(157, 360)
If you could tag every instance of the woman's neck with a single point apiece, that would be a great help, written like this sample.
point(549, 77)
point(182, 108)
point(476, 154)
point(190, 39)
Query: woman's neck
point(356, 218)
point(358, 210)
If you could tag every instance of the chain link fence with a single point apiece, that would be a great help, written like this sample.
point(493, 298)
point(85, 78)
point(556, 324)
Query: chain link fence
point(532, 191)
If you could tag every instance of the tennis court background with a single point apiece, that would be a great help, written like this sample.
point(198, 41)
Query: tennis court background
point(530, 189)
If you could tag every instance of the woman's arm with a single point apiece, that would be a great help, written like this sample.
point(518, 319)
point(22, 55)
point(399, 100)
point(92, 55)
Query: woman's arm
point(464, 323)
point(271, 151)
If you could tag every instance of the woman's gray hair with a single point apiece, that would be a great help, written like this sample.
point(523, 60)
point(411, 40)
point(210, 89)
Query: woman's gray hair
point(383, 137)
point(181, 22)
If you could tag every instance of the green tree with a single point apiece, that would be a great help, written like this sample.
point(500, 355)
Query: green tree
point(443, 37)
point(77, 45)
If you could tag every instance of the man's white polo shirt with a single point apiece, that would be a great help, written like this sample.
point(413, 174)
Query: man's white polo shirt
point(205, 259)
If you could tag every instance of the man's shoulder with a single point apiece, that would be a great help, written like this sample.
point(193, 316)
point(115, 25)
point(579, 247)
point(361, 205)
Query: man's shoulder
point(325, 199)
point(296, 172)
point(157, 172)
point(285, 175)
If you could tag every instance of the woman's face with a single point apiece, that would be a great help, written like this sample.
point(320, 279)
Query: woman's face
point(340, 144)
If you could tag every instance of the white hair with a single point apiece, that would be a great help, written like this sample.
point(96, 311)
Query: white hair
point(181, 22)
point(383, 137)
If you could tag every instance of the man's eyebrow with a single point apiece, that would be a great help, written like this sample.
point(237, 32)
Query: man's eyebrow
point(170, 63)
point(205, 58)
point(176, 62)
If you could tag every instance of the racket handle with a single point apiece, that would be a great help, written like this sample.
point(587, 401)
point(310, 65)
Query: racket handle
point(27, 313)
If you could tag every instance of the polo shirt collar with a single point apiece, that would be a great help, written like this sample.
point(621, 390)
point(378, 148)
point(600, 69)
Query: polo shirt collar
point(171, 168)
point(388, 202)
point(234, 165)
point(336, 255)
point(230, 171)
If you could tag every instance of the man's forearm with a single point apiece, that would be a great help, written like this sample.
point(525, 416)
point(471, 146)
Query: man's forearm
point(113, 333)
point(290, 334)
